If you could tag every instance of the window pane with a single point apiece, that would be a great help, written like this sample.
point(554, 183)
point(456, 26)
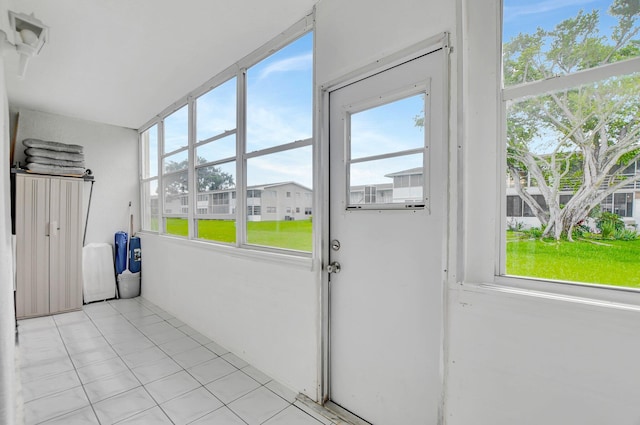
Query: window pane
point(215, 178)
point(176, 162)
point(574, 35)
point(217, 230)
point(577, 149)
point(272, 219)
point(393, 127)
point(387, 181)
point(149, 151)
point(216, 199)
point(216, 111)
point(177, 226)
point(279, 96)
point(150, 209)
point(216, 150)
point(176, 193)
point(176, 130)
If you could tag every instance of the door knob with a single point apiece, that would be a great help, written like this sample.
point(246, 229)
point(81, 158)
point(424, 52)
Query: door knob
point(333, 267)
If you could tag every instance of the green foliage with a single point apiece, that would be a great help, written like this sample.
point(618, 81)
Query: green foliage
point(580, 231)
point(534, 232)
point(609, 221)
point(626, 235)
point(607, 229)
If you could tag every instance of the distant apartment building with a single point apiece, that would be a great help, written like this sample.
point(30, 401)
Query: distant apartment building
point(623, 202)
point(272, 202)
point(293, 201)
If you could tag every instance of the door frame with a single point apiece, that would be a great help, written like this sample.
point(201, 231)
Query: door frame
point(430, 45)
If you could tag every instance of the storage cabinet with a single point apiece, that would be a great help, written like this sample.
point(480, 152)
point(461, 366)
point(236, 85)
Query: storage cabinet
point(48, 219)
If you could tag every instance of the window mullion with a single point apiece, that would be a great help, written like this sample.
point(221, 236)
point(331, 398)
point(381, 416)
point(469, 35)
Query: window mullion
point(162, 228)
point(191, 174)
point(241, 163)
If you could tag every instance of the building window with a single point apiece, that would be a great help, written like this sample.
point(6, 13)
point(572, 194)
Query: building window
point(307, 211)
point(571, 168)
point(192, 155)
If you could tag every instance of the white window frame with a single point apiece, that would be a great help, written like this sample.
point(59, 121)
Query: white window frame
point(238, 70)
point(581, 292)
point(144, 180)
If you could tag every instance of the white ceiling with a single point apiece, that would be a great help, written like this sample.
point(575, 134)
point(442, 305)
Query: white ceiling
point(121, 62)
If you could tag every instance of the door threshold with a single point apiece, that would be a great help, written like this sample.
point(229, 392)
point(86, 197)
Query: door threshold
point(332, 411)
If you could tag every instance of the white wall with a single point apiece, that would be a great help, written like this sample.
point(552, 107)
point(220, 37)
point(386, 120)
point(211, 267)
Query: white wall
point(268, 312)
point(7, 328)
point(518, 357)
point(264, 311)
point(112, 155)
point(552, 356)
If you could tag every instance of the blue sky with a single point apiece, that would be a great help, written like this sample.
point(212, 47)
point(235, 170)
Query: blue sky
point(279, 107)
point(525, 16)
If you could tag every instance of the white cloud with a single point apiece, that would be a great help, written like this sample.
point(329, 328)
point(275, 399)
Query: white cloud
point(511, 12)
point(296, 63)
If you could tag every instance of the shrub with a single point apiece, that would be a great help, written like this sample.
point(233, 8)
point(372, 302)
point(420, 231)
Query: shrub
point(580, 231)
point(607, 229)
point(607, 218)
point(534, 232)
point(515, 225)
point(626, 235)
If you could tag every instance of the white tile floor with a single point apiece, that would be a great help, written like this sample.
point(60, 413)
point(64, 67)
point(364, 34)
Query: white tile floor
point(130, 362)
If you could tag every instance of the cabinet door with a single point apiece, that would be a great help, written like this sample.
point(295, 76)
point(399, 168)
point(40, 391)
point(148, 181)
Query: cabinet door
point(32, 234)
point(65, 266)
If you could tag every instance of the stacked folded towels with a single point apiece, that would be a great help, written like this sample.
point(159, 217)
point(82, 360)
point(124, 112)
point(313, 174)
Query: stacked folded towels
point(54, 158)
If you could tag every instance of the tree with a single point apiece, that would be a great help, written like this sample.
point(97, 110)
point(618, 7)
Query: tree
point(579, 139)
point(207, 178)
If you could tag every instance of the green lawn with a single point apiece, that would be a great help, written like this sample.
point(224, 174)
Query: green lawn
point(604, 262)
point(280, 234)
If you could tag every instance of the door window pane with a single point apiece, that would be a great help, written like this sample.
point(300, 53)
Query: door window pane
point(394, 127)
point(279, 96)
point(272, 219)
point(397, 180)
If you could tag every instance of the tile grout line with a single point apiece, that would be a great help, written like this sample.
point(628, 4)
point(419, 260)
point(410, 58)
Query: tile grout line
point(153, 309)
point(75, 369)
point(128, 368)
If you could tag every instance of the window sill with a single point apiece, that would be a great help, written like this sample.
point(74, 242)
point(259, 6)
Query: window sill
point(304, 262)
point(615, 297)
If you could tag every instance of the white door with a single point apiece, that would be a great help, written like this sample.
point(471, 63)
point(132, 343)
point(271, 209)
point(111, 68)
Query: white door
point(388, 169)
